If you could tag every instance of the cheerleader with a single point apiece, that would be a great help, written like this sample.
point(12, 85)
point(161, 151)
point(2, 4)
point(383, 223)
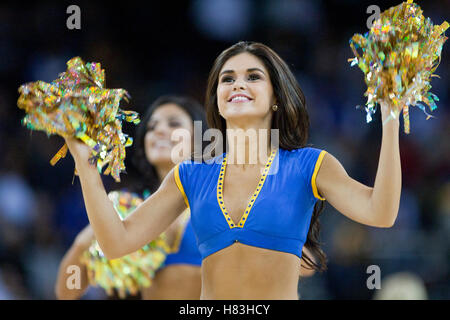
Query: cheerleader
point(251, 220)
point(179, 278)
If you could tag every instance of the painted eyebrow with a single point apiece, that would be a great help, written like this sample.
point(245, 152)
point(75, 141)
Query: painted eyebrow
point(248, 70)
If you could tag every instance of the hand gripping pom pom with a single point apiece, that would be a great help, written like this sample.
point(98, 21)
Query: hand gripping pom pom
point(77, 105)
point(400, 54)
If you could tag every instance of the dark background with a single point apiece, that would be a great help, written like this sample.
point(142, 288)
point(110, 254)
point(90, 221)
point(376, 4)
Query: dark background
point(152, 48)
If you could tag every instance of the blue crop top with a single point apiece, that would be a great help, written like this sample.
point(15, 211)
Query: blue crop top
point(187, 251)
point(278, 214)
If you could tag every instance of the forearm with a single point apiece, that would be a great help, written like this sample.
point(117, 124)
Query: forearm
point(108, 227)
point(385, 198)
point(72, 279)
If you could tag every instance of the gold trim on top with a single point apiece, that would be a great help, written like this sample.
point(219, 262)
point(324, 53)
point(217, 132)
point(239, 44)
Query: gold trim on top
point(249, 207)
point(176, 175)
point(180, 231)
point(316, 170)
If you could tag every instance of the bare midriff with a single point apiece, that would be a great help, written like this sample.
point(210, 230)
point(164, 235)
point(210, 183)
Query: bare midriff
point(175, 282)
point(250, 273)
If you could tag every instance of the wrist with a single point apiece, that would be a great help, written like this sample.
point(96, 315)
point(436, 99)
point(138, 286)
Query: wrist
point(390, 118)
point(390, 121)
point(391, 127)
point(83, 165)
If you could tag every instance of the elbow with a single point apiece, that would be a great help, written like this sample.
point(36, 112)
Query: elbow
point(113, 246)
point(111, 253)
point(385, 214)
point(389, 221)
point(386, 225)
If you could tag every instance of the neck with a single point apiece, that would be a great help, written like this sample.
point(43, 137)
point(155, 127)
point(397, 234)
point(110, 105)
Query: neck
point(162, 171)
point(248, 143)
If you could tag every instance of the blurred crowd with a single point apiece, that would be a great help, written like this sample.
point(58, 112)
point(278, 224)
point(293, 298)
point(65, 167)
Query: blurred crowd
point(152, 49)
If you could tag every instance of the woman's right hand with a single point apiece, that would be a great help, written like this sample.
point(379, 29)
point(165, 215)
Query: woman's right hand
point(79, 150)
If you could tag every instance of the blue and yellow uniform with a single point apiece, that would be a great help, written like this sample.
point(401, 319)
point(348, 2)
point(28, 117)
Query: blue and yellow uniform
point(278, 214)
point(184, 250)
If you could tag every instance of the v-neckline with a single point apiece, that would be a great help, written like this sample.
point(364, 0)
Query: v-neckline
point(248, 208)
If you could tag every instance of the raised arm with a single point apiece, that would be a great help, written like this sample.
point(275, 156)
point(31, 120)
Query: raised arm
point(71, 259)
point(377, 206)
point(116, 237)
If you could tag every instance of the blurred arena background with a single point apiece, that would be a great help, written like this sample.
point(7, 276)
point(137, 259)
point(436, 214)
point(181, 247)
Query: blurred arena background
point(152, 48)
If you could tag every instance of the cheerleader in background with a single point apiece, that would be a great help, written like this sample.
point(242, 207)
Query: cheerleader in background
point(179, 277)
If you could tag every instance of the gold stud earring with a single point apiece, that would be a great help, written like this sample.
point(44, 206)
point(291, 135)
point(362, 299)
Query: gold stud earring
point(275, 107)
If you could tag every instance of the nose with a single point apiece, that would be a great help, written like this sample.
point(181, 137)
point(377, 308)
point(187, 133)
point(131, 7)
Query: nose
point(161, 129)
point(239, 84)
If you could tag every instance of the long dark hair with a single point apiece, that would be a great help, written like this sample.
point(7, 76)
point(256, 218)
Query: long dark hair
point(147, 170)
point(291, 119)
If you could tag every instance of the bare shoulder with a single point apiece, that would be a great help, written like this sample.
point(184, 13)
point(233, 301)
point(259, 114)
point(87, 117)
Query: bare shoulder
point(330, 167)
point(331, 174)
point(170, 188)
point(345, 194)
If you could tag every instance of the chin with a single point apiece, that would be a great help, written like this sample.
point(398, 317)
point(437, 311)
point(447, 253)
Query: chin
point(160, 160)
point(237, 115)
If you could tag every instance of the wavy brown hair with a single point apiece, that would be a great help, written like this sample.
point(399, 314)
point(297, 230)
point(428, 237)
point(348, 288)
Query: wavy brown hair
point(291, 119)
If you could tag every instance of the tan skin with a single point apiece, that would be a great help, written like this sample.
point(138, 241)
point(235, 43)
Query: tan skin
point(176, 281)
point(240, 271)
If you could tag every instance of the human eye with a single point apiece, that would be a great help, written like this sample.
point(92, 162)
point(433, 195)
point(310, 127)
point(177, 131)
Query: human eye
point(227, 79)
point(174, 124)
point(254, 76)
point(151, 126)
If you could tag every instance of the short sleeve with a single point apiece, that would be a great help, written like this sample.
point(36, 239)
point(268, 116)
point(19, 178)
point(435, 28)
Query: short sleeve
point(181, 179)
point(310, 162)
